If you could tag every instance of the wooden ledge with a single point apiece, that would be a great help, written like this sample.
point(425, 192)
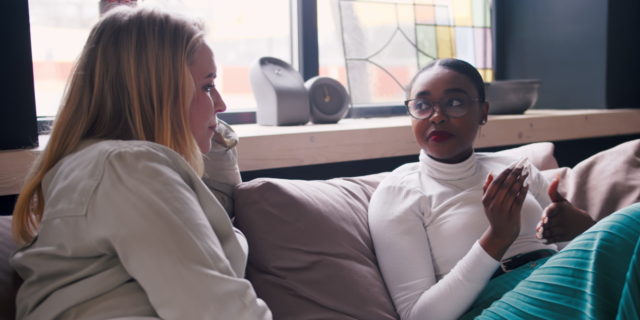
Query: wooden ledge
point(264, 147)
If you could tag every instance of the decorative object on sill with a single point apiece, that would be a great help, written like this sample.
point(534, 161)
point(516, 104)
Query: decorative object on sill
point(281, 96)
point(512, 96)
point(106, 5)
point(328, 99)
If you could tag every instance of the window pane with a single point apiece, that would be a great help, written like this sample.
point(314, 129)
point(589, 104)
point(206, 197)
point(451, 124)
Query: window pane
point(58, 31)
point(375, 47)
point(239, 31)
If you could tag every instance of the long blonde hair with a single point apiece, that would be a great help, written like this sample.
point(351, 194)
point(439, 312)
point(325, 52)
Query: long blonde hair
point(131, 82)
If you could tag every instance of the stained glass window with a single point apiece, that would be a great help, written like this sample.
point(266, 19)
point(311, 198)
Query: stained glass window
point(386, 42)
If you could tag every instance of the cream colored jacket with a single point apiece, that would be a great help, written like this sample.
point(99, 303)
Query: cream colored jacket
point(130, 230)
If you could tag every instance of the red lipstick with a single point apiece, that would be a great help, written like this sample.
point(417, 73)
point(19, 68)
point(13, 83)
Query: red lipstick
point(439, 136)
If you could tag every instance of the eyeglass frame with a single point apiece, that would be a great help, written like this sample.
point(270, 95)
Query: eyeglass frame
point(406, 104)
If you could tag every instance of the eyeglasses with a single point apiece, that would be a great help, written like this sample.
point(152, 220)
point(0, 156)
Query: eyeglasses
point(454, 107)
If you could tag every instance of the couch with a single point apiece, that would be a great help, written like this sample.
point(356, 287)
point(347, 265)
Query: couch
point(311, 255)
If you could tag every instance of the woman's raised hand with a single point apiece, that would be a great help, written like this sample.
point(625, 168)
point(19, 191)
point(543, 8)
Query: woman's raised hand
point(561, 220)
point(502, 199)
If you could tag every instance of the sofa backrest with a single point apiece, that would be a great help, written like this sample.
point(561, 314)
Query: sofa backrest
point(310, 252)
point(9, 279)
point(311, 256)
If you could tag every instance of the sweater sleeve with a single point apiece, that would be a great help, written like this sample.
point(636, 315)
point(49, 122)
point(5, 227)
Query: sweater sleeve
point(539, 187)
point(146, 210)
point(404, 254)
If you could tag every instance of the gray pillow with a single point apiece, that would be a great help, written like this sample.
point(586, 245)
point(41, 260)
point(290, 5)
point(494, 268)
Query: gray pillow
point(310, 252)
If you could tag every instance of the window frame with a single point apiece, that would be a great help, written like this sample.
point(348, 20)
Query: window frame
point(18, 118)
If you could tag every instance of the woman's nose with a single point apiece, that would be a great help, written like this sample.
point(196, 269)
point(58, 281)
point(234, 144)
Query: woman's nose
point(218, 104)
point(438, 116)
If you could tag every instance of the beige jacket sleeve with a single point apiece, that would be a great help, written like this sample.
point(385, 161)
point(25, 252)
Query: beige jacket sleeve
point(221, 166)
point(173, 237)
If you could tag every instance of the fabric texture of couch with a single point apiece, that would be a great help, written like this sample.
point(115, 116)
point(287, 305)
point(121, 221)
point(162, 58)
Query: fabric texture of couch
point(311, 255)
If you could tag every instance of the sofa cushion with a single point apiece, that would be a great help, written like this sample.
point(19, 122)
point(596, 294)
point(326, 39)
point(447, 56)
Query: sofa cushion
point(540, 154)
point(603, 183)
point(311, 256)
point(9, 279)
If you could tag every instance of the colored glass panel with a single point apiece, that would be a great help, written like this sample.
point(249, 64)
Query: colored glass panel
point(425, 14)
point(443, 16)
point(483, 48)
point(481, 13)
point(427, 44)
point(465, 44)
point(487, 74)
point(445, 42)
point(462, 13)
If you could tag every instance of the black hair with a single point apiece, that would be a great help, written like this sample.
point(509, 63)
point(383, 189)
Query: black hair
point(460, 66)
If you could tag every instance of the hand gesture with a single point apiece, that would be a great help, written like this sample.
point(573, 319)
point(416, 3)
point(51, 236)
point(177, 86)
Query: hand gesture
point(502, 200)
point(561, 221)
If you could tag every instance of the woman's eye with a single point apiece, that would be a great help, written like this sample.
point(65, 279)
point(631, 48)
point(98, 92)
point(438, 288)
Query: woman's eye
point(208, 88)
point(422, 105)
point(454, 102)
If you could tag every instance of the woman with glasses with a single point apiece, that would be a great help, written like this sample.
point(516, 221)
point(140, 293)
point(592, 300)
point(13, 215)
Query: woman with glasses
point(458, 229)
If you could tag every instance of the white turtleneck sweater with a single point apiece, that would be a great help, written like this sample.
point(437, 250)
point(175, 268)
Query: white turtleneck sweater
point(426, 218)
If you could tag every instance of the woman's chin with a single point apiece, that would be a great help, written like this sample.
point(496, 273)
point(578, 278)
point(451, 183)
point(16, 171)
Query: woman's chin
point(205, 147)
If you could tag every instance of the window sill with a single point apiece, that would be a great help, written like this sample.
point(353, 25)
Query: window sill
point(360, 139)
point(265, 147)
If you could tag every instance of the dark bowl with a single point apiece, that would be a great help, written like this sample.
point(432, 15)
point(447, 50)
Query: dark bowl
point(511, 96)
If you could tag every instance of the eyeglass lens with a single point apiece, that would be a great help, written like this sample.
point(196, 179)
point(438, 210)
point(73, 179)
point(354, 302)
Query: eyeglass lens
point(452, 107)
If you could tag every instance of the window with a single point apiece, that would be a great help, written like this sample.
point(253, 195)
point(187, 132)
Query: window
point(239, 36)
point(375, 46)
point(58, 32)
point(372, 47)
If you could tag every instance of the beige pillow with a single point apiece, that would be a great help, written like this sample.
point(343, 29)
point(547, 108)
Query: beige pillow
point(310, 253)
point(605, 182)
point(540, 154)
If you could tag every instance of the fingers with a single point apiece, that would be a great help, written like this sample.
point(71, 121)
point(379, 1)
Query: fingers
point(553, 190)
point(506, 193)
point(511, 186)
point(487, 182)
point(562, 221)
point(551, 226)
point(493, 186)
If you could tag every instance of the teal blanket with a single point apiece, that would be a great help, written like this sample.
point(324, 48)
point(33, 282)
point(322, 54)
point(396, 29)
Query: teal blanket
point(597, 276)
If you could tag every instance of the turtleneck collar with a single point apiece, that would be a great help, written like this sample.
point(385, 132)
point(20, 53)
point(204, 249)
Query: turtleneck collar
point(447, 171)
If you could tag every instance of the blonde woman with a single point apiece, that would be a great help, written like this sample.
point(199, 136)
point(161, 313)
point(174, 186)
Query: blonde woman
point(115, 217)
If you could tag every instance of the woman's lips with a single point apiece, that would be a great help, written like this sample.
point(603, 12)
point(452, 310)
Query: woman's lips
point(439, 136)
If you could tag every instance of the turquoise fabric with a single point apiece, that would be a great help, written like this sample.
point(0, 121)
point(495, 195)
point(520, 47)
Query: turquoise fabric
point(500, 285)
point(597, 276)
